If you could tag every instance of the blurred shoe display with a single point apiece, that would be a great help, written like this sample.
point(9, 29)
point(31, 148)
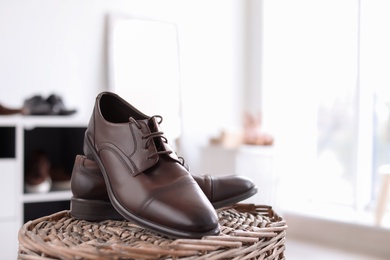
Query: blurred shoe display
point(37, 176)
point(41, 176)
point(51, 106)
point(60, 179)
point(57, 106)
point(10, 111)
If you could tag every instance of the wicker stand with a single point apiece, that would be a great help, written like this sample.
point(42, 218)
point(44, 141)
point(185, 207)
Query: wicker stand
point(247, 232)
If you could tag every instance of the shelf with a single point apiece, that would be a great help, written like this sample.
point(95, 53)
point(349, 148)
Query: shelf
point(9, 120)
point(60, 138)
point(30, 122)
point(46, 197)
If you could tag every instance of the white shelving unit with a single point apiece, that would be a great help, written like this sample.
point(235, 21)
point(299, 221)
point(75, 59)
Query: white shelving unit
point(43, 197)
point(17, 133)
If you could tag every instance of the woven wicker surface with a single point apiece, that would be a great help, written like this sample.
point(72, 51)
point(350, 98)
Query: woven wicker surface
point(247, 232)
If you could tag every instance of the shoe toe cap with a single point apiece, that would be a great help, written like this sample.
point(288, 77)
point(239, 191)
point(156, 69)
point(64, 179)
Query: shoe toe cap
point(231, 186)
point(184, 208)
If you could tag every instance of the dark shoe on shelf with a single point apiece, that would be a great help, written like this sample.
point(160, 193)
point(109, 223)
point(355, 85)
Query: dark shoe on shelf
point(57, 106)
point(145, 181)
point(90, 199)
point(51, 106)
point(37, 177)
point(60, 179)
point(37, 105)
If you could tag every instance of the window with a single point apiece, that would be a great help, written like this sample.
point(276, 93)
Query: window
point(326, 90)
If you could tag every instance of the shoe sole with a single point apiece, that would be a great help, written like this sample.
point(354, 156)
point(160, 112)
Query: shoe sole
point(99, 210)
point(235, 199)
point(170, 232)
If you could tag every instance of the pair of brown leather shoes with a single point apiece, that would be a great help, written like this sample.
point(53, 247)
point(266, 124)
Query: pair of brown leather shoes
point(90, 199)
point(53, 105)
point(144, 180)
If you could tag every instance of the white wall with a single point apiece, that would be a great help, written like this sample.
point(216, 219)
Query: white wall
point(59, 47)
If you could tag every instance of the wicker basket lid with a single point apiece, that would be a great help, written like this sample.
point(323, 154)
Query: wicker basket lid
point(247, 232)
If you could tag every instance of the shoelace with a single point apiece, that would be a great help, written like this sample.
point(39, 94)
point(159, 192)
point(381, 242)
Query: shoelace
point(150, 137)
point(160, 134)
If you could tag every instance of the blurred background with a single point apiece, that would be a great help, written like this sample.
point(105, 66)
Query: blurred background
point(313, 75)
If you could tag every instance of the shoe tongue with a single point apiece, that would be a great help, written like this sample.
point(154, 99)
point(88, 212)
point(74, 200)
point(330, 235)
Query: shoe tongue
point(153, 125)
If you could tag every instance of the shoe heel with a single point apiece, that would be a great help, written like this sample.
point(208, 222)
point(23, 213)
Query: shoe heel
point(93, 210)
point(87, 147)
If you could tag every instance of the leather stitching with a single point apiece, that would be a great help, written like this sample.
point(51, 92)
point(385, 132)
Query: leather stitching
point(135, 148)
point(115, 150)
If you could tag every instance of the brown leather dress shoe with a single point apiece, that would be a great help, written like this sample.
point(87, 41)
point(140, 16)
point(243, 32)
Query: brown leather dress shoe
point(145, 181)
point(37, 176)
point(10, 111)
point(90, 199)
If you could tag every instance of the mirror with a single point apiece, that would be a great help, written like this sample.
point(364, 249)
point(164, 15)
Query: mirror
point(144, 68)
